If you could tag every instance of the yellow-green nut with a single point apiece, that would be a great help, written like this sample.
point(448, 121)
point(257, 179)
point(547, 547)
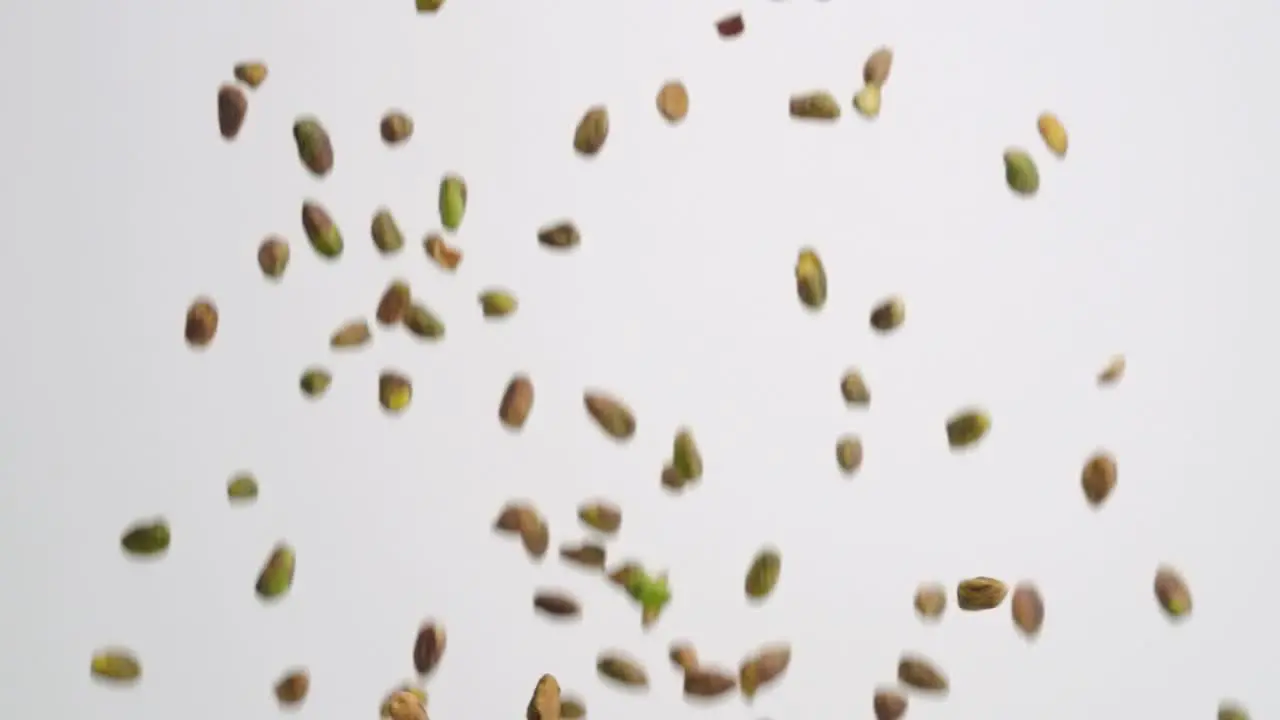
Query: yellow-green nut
point(966, 428)
point(242, 487)
point(1020, 172)
point(1053, 133)
point(453, 201)
point(849, 454)
point(322, 233)
point(867, 102)
point(252, 74)
point(429, 6)
point(314, 148)
point(685, 456)
point(277, 574)
point(811, 279)
point(315, 382)
point(149, 537)
point(817, 105)
point(386, 232)
point(762, 576)
point(423, 323)
point(497, 303)
point(115, 665)
point(394, 391)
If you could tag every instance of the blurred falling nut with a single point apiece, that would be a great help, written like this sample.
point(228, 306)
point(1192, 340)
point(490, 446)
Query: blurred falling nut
point(452, 201)
point(1028, 609)
point(1113, 372)
point(252, 74)
point(919, 673)
point(613, 417)
point(621, 669)
point(592, 131)
point(1099, 478)
point(601, 516)
point(763, 668)
point(393, 304)
point(586, 555)
point(202, 323)
point(849, 454)
point(511, 519)
point(673, 101)
point(683, 656)
point(980, 593)
point(763, 574)
point(560, 235)
point(292, 688)
point(407, 703)
point(623, 574)
point(967, 427)
point(315, 382)
point(672, 479)
point(314, 148)
point(816, 105)
point(395, 127)
point(497, 303)
point(1053, 133)
point(273, 257)
point(811, 279)
point(428, 647)
point(516, 403)
point(534, 536)
point(556, 603)
point(395, 392)
point(1020, 172)
point(322, 233)
point(853, 388)
point(352, 334)
point(422, 323)
point(442, 253)
point(572, 708)
point(1231, 710)
point(276, 577)
point(1172, 592)
point(704, 682)
point(146, 537)
point(242, 488)
point(429, 6)
point(232, 107)
point(685, 456)
point(730, 26)
point(888, 315)
point(545, 704)
point(875, 71)
point(116, 665)
point(386, 234)
point(931, 600)
point(889, 704)
point(867, 102)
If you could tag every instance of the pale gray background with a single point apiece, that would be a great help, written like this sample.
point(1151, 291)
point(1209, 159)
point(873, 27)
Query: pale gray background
point(1154, 238)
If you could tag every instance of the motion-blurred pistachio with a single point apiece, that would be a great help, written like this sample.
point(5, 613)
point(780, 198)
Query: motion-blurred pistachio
point(386, 232)
point(293, 687)
point(672, 479)
point(560, 235)
point(811, 279)
point(545, 702)
point(980, 593)
point(1027, 609)
point(202, 323)
point(406, 703)
point(441, 252)
point(763, 668)
point(116, 665)
point(919, 673)
point(673, 101)
point(683, 655)
point(148, 537)
point(315, 382)
point(685, 457)
point(572, 708)
point(592, 131)
point(624, 575)
point(888, 315)
point(251, 73)
point(351, 334)
point(314, 149)
point(849, 454)
point(763, 575)
point(613, 417)
point(853, 388)
point(429, 6)
point(1020, 172)
point(867, 102)
point(517, 402)
point(1112, 372)
point(875, 71)
point(394, 302)
point(967, 427)
point(600, 516)
point(817, 105)
point(273, 257)
point(453, 202)
point(535, 537)
point(497, 303)
point(705, 682)
point(621, 669)
point(1053, 133)
point(586, 555)
point(556, 603)
point(1098, 478)
point(276, 577)
point(395, 391)
point(1232, 710)
point(512, 517)
point(232, 107)
point(396, 127)
point(242, 488)
point(931, 600)
point(1172, 592)
point(889, 704)
point(322, 233)
point(428, 647)
point(423, 323)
